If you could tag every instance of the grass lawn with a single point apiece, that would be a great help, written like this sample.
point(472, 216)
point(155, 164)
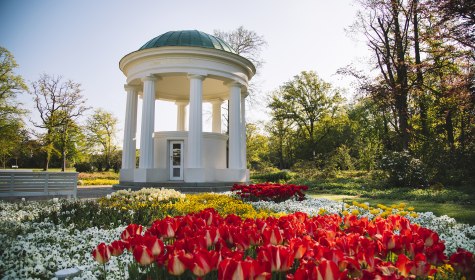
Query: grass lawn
point(462, 213)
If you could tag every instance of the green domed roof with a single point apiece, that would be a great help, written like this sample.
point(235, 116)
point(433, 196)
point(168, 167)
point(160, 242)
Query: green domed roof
point(188, 38)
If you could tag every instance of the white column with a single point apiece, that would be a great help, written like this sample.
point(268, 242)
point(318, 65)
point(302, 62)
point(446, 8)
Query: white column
point(195, 131)
point(130, 128)
point(243, 131)
point(181, 115)
point(148, 123)
point(216, 121)
point(234, 126)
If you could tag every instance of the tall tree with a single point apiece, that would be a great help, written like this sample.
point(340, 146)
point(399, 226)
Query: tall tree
point(458, 17)
point(257, 147)
point(101, 130)
point(306, 101)
point(11, 122)
point(246, 43)
point(386, 25)
point(58, 104)
point(249, 44)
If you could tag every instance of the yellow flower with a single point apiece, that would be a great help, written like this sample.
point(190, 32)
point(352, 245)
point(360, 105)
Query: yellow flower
point(345, 213)
point(381, 206)
point(414, 215)
point(355, 203)
point(355, 212)
point(321, 211)
point(375, 211)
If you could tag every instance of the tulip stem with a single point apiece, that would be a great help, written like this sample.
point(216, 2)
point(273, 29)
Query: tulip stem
point(105, 271)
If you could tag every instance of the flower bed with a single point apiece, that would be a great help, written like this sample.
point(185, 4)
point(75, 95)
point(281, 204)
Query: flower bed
point(269, 192)
point(40, 238)
point(296, 246)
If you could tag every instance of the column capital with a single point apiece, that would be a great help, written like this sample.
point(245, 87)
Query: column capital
point(196, 76)
point(216, 101)
point(128, 87)
point(234, 84)
point(181, 102)
point(245, 94)
point(151, 78)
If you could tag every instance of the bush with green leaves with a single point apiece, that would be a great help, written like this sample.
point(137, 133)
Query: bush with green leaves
point(404, 170)
point(272, 177)
point(85, 167)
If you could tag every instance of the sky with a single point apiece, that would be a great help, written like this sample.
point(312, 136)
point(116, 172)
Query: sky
point(83, 40)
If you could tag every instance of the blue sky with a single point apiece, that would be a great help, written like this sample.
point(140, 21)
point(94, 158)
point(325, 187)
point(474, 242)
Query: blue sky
point(84, 40)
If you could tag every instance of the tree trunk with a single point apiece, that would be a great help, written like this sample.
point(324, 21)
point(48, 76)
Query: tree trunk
point(402, 84)
point(449, 127)
point(419, 76)
point(63, 153)
point(46, 166)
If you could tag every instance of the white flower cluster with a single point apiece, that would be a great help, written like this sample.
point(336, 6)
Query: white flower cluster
point(311, 206)
point(37, 250)
point(151, 194)
point(454, 234)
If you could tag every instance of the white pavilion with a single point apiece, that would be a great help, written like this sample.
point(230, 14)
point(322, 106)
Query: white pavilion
point(187, 68)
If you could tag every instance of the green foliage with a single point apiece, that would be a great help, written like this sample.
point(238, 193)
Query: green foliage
point(307, 105)
point(257, 148)
point(11, 124)
point(272, 177)
point(404, 170)
point(101, 130)
point(85, 167)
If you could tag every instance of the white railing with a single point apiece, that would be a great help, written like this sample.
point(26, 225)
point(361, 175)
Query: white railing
point(23, 184)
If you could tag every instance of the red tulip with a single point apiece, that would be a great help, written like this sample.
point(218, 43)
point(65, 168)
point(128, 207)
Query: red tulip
point(130, 231)
point(280, 257)
point(328, 270)
point(166, 227)
point(273, 235)
point(422, 267)
point(307, 270)
point(404, 265)
point(143, 255)
point(204, 261)
point(178, 262)
point(155, 245)
point(463, 261)
point(101, 253)
point(230, 269)
point(241, 240)
point(117, 247)
point(211, 235)
point(257, 270)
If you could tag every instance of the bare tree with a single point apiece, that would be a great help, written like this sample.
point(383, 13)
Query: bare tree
point(58, 104)
point(246, 43)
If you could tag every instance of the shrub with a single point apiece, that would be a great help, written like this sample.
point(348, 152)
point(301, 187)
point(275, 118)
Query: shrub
point(272, 177)
point(84, 167)
point(404, 170)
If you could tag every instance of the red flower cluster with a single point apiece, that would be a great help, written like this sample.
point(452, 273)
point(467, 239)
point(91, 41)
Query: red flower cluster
point(295, 246)
point(269, 192)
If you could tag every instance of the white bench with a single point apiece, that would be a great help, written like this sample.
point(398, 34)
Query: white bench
point(23, 184)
